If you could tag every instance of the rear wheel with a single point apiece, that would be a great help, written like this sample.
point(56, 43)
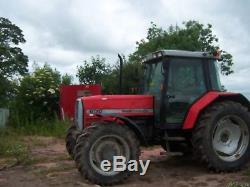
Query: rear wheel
point(102, 141)
point(70, 139)
point(221, 137)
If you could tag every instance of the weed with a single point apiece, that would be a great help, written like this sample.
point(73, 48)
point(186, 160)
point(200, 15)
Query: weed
point(237, 184)
point(10, 146)
point(18, 151)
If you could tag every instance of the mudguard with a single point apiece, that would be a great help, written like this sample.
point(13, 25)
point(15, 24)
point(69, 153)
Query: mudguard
point(206, 100)
point(122, 120)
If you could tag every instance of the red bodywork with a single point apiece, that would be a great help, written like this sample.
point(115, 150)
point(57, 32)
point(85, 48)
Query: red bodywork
point(124, 105)
point(69, 94)
point(104, 106)
point(200, 104)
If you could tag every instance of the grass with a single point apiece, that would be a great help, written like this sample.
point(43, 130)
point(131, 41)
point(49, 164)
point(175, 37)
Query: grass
point(237, 184)
point(55, 128)
point(240, 184)
point(14, 146)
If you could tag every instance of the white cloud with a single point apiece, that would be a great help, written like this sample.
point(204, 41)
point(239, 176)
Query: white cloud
point(65, 32)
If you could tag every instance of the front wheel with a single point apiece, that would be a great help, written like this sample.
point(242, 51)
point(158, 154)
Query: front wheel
point(221, 137)
point(102, 141)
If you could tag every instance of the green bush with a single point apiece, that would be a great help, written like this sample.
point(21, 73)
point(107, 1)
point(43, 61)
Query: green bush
point(37, 96)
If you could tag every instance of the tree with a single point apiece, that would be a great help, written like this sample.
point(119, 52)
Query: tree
point(96, 71)
point(131, 79)
point(8, 91)
point(192, 36)
point(38, 94)
point(67, 79)
point(13, 62)
point(12, 59)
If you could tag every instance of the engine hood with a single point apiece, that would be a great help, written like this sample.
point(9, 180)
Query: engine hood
point(126, 105)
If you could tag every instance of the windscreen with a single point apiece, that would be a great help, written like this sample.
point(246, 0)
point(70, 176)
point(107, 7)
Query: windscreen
point(153, 78)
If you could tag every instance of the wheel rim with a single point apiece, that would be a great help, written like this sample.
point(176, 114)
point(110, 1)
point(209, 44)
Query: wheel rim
point(230, 138)
point(104, 149)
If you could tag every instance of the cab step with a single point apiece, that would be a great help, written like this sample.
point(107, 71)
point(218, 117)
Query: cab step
point(165, 153)
point(177, 139)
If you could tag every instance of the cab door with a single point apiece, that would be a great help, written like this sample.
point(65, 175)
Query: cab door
point(185, 83)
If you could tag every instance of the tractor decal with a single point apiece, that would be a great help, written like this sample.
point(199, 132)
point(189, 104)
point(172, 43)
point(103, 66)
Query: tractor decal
point(119, 111)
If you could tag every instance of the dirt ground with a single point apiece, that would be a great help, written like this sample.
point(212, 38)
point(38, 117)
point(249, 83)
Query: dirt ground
point(51, 166)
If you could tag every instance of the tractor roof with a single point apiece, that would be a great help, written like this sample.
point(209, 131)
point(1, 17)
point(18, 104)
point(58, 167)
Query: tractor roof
point(180, 53)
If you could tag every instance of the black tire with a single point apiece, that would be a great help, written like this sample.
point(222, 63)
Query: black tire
point(70, 139)
point(90, 137)
point(204, 136)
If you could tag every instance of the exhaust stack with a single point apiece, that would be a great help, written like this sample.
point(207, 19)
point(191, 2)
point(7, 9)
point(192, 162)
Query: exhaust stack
point(120, 77)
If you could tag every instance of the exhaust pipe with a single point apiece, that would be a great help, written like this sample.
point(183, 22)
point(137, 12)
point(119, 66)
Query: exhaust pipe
point(120, 77)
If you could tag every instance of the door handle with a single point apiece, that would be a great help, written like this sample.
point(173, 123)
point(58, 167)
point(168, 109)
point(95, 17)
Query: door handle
point(170, 96)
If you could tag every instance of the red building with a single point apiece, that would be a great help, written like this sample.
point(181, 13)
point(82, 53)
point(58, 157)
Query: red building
point(69, 94)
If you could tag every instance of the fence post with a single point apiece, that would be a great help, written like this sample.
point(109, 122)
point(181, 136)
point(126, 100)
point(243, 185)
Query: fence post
point(4, 115)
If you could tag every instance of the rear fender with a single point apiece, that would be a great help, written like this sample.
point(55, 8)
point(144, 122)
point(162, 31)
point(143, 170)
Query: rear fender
point(206, 100)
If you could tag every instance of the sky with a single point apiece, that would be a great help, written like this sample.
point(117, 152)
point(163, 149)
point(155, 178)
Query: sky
point(63, 33)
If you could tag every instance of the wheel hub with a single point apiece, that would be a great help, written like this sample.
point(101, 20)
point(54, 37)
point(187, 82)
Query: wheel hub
point(224, 137)
point(230, 138)
point(104, 149)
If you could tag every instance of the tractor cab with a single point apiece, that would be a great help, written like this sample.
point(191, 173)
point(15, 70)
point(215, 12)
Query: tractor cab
point(177, 79)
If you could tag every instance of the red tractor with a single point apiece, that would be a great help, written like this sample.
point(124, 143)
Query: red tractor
point(183, 108)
